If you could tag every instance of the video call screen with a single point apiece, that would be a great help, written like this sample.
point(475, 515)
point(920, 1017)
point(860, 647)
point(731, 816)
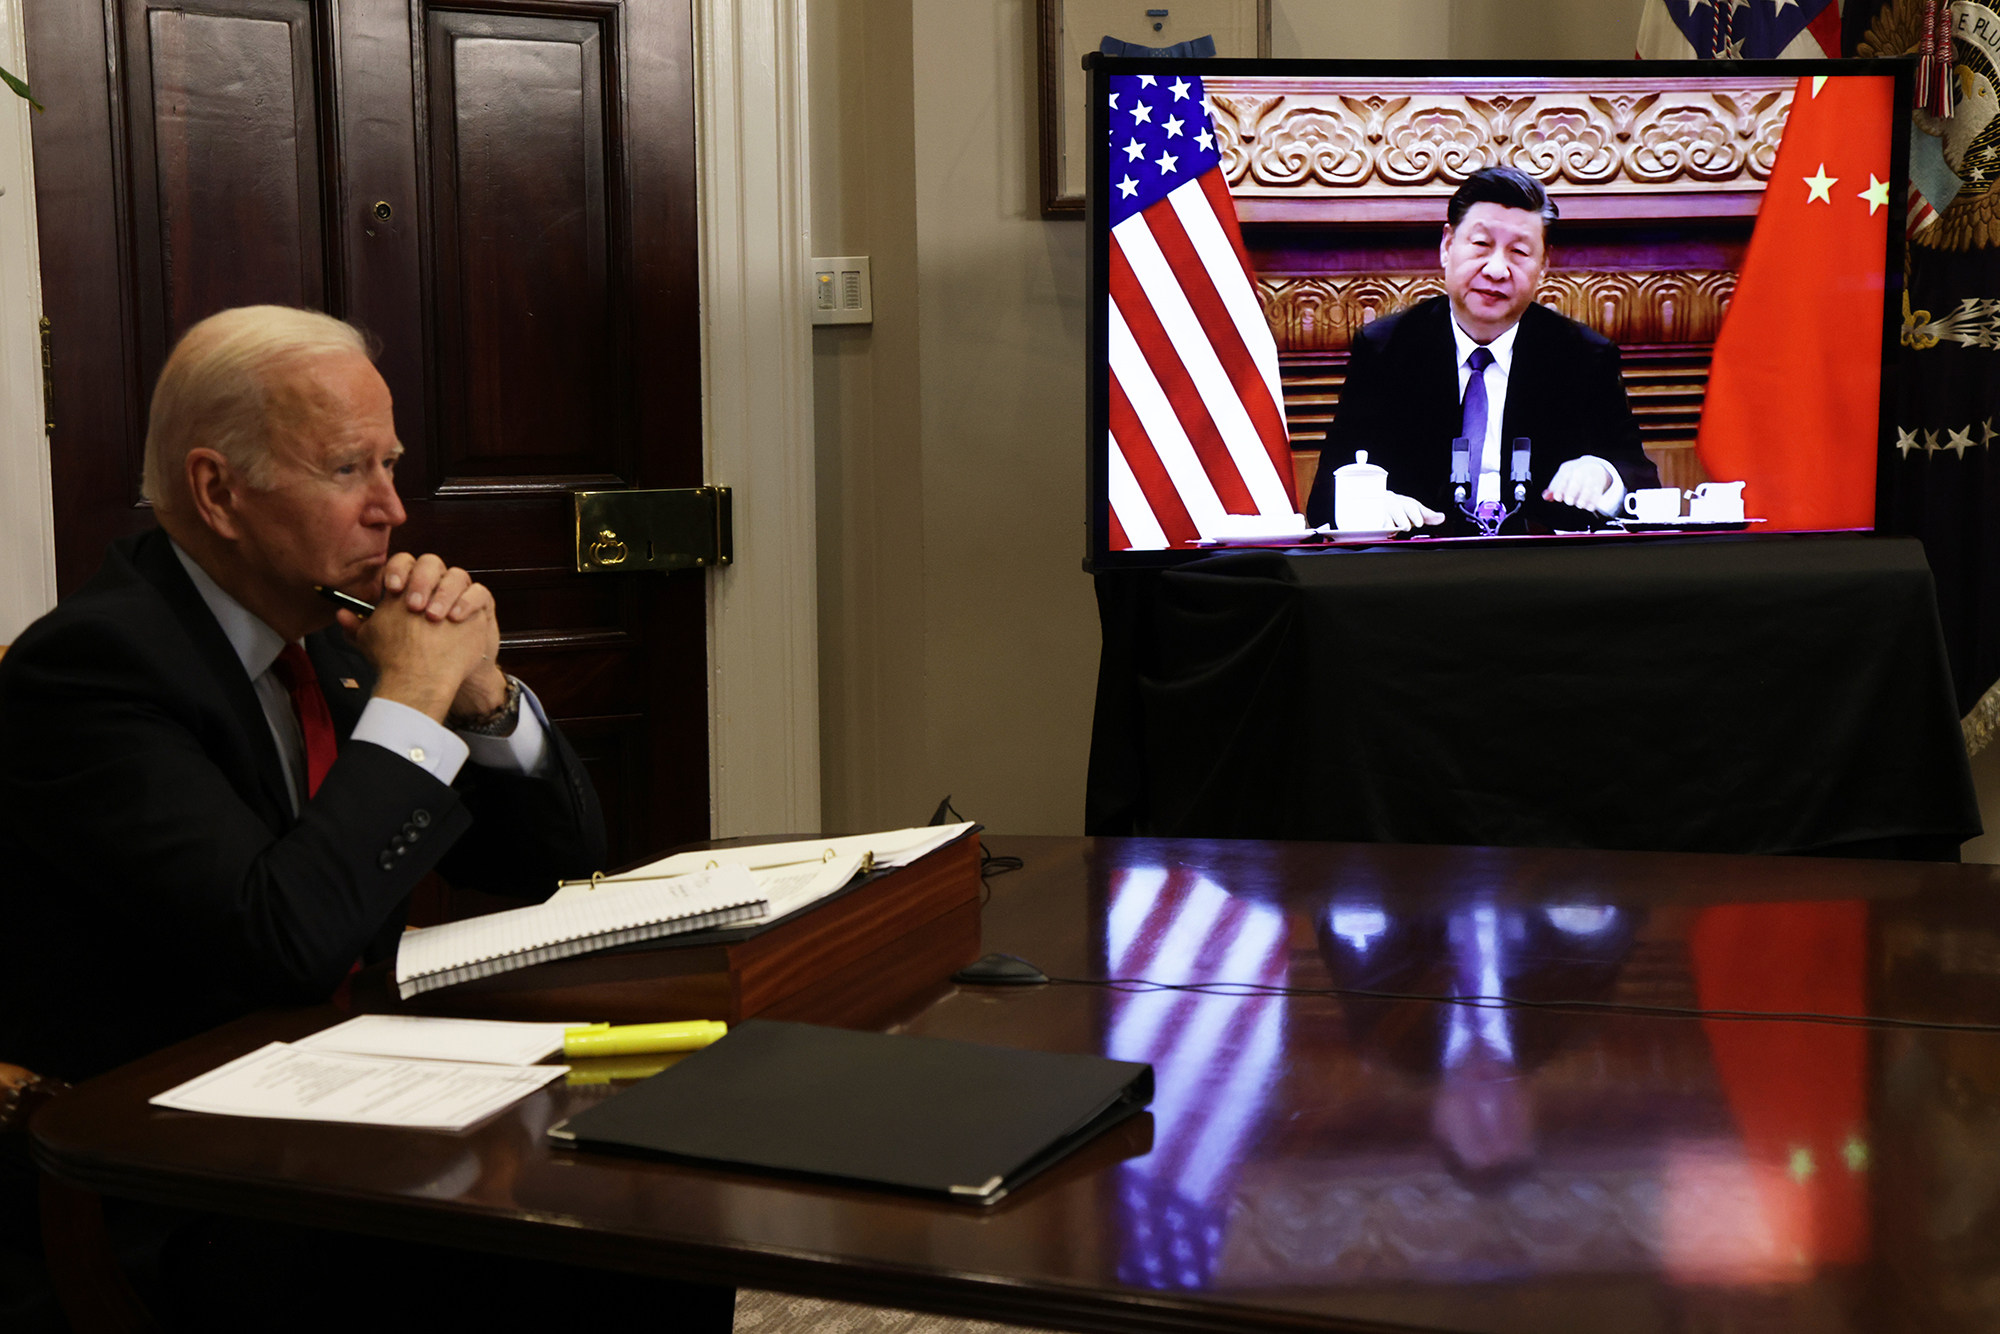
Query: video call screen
point(1688, 336)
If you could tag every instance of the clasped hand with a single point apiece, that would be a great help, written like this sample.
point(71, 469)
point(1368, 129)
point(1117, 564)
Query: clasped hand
point(433, 639)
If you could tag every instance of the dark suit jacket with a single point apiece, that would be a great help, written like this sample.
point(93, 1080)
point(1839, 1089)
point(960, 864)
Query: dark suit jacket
point(1401, 404)
point(153, 879)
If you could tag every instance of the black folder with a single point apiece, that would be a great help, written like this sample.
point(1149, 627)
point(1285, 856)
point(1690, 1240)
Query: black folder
point(958, 1119)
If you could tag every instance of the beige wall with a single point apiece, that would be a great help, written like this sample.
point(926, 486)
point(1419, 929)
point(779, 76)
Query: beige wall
point(1360, 29)
point(1460, 29)
point(959, 634)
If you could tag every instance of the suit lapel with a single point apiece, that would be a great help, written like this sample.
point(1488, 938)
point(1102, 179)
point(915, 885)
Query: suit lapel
point(1439, 353)
point(1523, 386)
point(153, 558)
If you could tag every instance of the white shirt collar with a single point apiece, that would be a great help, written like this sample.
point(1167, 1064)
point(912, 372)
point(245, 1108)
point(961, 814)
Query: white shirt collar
point(257, 645)
point(1501, 347)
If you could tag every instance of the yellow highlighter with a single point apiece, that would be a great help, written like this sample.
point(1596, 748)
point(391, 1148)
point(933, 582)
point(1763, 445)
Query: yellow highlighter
point(639, 1039)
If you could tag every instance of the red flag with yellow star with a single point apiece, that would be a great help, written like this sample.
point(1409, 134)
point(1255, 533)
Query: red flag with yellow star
point(1792, 393)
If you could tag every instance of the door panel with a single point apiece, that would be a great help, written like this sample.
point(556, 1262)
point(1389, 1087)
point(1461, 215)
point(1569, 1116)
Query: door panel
point(524, 162)
point(221, 127)
point(502, 195)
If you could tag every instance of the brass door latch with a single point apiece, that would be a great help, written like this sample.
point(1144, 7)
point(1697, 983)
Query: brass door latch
point(683, 529)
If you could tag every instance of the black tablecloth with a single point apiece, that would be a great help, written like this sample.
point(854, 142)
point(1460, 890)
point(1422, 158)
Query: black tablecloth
point(1707, 694)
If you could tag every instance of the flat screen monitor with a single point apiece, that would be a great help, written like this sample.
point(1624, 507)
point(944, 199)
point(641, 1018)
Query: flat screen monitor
point(1356, 303)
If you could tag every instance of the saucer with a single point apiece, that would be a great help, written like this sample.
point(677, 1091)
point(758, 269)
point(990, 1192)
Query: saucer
point(1632, 525)
point(1300, 538)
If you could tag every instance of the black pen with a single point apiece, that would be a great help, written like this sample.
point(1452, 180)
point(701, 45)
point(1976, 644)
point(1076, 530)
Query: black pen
point(340, 599)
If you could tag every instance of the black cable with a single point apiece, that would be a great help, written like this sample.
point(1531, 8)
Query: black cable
point(989, 863)
point(1142, 984)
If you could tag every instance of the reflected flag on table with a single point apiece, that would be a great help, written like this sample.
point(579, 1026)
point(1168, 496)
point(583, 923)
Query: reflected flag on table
point(1196, 413)
point(1213, 1055)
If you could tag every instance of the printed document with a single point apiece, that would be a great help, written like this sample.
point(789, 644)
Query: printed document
point(427, 1038)
point(284, 1081)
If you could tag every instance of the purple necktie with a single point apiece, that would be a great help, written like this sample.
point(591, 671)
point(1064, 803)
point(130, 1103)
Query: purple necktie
point(1473, 426)
point(1473, 422)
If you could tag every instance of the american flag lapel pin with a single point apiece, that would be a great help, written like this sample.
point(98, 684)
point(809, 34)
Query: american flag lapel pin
point(350, 683)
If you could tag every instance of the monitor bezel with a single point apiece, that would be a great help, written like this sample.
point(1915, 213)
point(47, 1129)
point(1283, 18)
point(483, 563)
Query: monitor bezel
point(1099, 69)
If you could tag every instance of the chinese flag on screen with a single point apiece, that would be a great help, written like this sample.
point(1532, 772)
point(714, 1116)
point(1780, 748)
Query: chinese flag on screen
point(1791, 406)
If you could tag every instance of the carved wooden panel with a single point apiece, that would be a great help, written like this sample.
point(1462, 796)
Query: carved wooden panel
point(1322, 313)
point(1393, 147)
point(223, 167)
point(529, 272)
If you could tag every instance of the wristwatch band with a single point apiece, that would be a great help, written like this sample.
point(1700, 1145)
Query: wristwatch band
point(500, 722)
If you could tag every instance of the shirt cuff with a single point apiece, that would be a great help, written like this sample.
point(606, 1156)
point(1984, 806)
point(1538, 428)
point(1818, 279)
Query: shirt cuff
point(524, 750)
point(1614, 499)
point(414, 735)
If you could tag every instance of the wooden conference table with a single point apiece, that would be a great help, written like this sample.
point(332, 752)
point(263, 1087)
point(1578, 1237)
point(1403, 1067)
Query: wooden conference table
point(1314, 1161)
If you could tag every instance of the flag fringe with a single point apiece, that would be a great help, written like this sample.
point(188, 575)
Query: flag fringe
point(1982, 725)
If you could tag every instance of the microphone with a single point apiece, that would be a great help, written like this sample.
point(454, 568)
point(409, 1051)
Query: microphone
point(1520, 472)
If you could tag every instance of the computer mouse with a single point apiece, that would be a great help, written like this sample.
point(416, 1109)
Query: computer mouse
point(1000, 970)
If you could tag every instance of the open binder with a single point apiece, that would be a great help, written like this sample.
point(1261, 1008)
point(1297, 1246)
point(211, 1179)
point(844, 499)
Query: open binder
point(936, 1116)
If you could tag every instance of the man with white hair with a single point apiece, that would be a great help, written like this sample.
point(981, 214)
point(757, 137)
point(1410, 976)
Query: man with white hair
point(217, 792)
point(212, 797)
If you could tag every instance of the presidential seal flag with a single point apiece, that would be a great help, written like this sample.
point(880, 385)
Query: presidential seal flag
point(1739, 30)
point(1197, 422)
point(1941, 482)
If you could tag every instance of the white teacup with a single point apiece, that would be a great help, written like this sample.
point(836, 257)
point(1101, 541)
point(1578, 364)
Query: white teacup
point(1361, 496)
point(1716, 502)
point(1654, 504)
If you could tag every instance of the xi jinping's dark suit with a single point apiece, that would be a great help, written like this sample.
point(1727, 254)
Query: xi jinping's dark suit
point(1401, 404)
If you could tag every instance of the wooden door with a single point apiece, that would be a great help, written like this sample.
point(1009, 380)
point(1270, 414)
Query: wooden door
point(502, 193)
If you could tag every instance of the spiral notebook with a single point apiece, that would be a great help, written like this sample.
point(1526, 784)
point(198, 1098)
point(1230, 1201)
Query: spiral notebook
point(441, 956)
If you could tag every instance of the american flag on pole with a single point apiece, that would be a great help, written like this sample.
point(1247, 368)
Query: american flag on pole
point(1740, 30)
point(1196, 414)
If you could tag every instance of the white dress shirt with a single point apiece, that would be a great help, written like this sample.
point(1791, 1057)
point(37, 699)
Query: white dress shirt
point(397, 728)
point(1493, 461)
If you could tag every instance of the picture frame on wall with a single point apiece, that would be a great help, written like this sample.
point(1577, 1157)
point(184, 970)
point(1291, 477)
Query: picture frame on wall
point(1071, 28)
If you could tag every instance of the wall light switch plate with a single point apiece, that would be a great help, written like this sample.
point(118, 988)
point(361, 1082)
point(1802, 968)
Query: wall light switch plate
point(841, 291)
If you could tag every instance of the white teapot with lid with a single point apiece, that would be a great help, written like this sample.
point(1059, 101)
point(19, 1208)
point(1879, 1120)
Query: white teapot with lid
point(1361, 496)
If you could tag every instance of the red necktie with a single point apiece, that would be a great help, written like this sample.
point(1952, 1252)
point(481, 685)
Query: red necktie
point(295, 671)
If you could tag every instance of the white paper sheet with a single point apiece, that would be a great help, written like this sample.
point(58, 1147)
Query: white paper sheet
point(281, 1080)
point(788, 875)
point(423, 1037)
point(893, 847)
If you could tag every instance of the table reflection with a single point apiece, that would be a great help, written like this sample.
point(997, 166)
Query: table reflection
point(1214, 1058)
point(1347, 1140)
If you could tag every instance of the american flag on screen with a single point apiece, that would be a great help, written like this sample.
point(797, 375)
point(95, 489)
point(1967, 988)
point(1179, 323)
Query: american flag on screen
point(1197, 417)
